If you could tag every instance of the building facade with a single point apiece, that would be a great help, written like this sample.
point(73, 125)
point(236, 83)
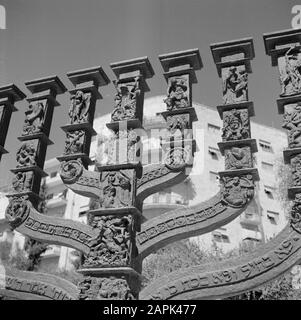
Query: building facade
point(262, 220)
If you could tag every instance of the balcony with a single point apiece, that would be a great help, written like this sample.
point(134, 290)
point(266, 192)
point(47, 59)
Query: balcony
point(247, 219)
point(251, 235)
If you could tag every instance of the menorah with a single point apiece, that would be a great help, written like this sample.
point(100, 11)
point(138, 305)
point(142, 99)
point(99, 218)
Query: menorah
point(114, 242)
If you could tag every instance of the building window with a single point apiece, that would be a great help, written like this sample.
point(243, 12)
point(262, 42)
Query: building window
point(267, 166)
point(213, 128)
point(213, 176)
point(273, 217)
point(213, 153)
point(269, 191)
point(220, 237)
point(250, 240)
point(53, 174)
point(49, 196)
point(83, 213)
point(265, 146)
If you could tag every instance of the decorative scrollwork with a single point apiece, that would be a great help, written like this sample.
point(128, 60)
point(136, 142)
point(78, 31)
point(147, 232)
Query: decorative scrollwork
point(17, 211)
point(71, 170)
point(153, 174)
point(237, 191)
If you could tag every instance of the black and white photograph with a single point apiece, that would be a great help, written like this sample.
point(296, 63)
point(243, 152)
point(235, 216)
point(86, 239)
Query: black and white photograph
point(150, 153)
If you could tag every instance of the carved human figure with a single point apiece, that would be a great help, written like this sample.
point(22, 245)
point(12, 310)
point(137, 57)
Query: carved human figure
point(290, 76)
point(74, 142)
point(79, 108)
point(116, 188)
point(34, 118)
point(177, 125)
point(235, 125)
point(292, 122)
point(235, 86)
point(177, 94)
point(22, 181)
point(238, 158)
point(112, 244)
point(26, 155)
point(125, 100)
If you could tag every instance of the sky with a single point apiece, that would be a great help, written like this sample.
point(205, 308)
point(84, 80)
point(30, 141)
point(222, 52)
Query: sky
point(44, 38)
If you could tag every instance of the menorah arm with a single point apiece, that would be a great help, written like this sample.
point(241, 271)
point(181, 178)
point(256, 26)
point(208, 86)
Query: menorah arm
point(23, 285)
point(213, 281)
point(23, 217)
point(80, 180)
point(158, 176)
point(187, 222)
point(87, 183)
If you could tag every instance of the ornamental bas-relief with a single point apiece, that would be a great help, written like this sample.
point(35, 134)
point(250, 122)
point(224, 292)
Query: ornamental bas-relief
point(116, 189)
point(238, 190)
point(34, 118)
point(290, 72)
point(292, 122)
point(79, 108)
point(177, 93)
point(238, 158)
point(74, 142)
point(236, 125)
point(26, 155)
point(235, 84)
point(112, 246)
point(110, 288)
point(126, 100)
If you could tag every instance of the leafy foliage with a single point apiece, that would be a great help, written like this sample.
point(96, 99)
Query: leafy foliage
point(34, 250)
